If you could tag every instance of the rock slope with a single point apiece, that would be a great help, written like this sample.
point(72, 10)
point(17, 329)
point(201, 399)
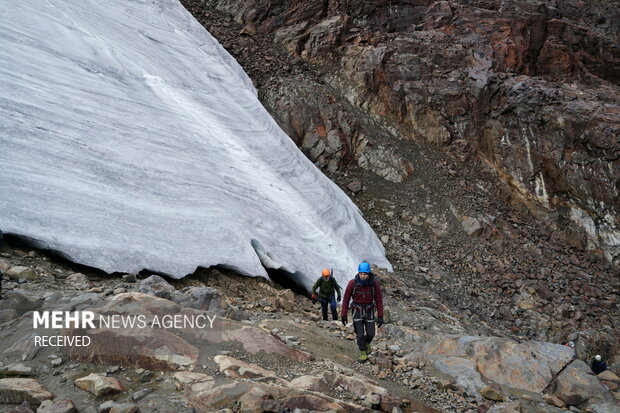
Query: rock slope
point(530, 87)
point(271, 354)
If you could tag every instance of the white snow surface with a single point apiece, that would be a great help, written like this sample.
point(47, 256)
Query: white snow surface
point(130, 139)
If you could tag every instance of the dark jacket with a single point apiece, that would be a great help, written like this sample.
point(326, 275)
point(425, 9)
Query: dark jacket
point(327, 288)
point(598, 366)
point(363, 294)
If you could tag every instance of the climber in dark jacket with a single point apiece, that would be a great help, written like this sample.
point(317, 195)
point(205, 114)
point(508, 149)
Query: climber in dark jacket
point(328, 290)
point(365, 293)
point(598, 365)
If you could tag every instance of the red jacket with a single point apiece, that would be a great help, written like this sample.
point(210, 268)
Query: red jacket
point(363, 295)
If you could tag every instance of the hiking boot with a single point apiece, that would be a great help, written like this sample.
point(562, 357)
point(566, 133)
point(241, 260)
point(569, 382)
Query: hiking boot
point(368, 348)
point(363, 356)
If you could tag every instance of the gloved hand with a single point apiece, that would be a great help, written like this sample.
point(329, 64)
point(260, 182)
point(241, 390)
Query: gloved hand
point(339, 299)
point(345, 320)
point(379, 321)
point(313, 296)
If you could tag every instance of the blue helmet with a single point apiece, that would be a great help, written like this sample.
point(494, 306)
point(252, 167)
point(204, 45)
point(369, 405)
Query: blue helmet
point(363, 267)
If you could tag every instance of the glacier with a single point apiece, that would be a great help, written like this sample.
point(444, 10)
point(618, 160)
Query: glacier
point(131, 140)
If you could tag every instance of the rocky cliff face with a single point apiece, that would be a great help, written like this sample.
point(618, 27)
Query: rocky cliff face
point(529, 87)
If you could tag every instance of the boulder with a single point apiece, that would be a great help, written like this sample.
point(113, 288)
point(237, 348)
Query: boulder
point(22, 273)
point(129, 278)
point(258, 396)
point(610, 376)
point(202, 298)
point(170, 348)
point(15, 370)
point(528, 366)
point(576, 385)
point(254, 340)
point(324, 382)
point(78, 281)
point(82, 301)
point(553, 400)
point(493, 392)
point(114, 407)
point(57, 406)
point(20, 301)
point(99, 385)
point(147, 348)
point(207, 395)
point(16, 391)
point(258, 399)
point(232, 367)
point(157, 286)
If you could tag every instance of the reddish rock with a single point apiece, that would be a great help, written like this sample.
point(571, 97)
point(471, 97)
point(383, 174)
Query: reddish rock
point(99, 385)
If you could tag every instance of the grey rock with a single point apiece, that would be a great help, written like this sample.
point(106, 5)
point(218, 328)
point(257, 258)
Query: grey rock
point(576, 385)
point(125, 408)
point(395, 348)
point(130, 278)
point(200, 298)
point(20, 301)
point(15, 370)
point(157, 286)
point(78, 280)
point(83, 300)
point(114, 407)
point(141, 394)
point(8, 315)
point(355, 186)
point(57, 406)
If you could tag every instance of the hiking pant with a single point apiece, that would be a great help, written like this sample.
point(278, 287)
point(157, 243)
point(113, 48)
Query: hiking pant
point(332, 303)
point(364, 325)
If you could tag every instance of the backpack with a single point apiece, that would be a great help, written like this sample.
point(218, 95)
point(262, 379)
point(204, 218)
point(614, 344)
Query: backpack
point(372, 283)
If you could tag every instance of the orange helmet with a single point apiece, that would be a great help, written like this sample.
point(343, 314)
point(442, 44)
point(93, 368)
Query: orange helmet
point(326, 272)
